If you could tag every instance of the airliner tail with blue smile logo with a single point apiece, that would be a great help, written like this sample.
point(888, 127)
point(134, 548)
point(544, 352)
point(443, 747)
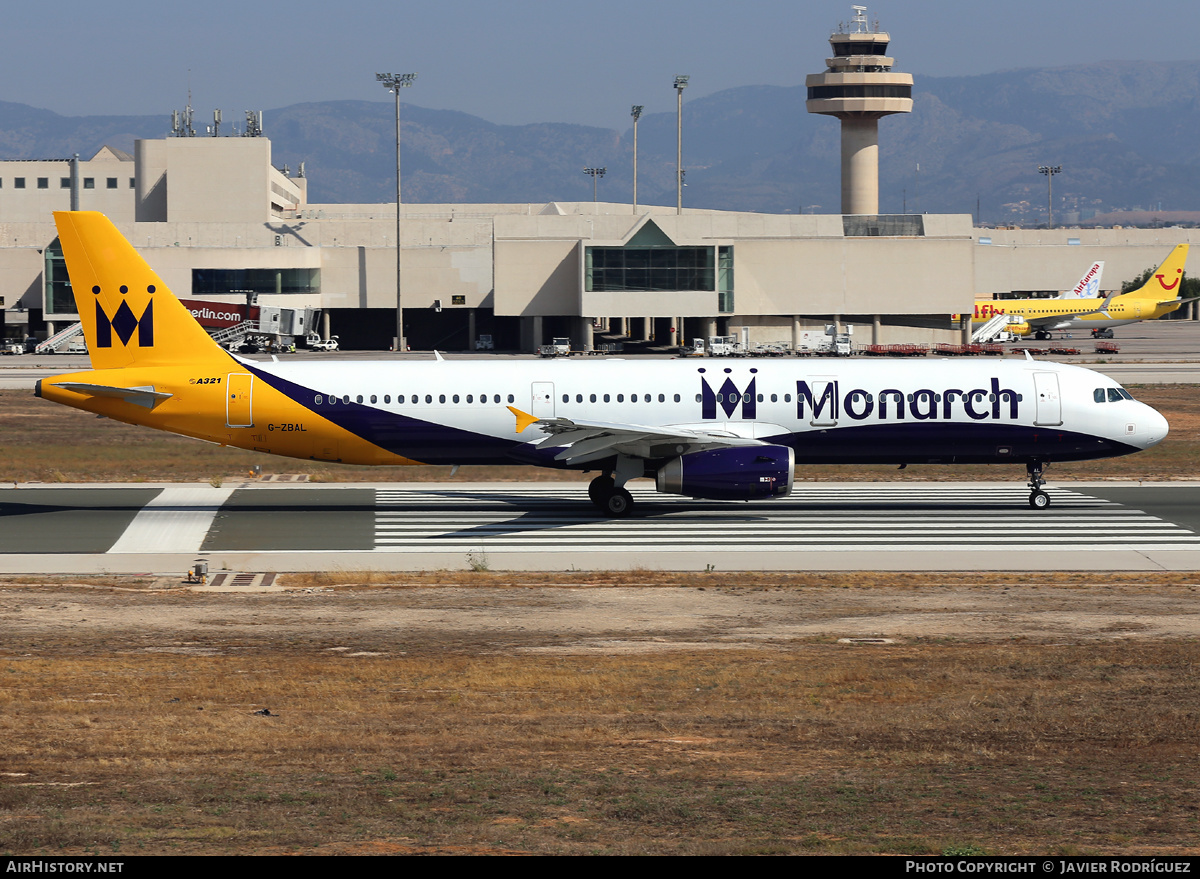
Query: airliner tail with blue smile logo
point(713, 429)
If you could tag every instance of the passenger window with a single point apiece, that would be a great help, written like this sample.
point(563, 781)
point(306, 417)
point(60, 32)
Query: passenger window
point(317, 399)
point(566, 398)
point(414, 398)
point(606, 398)
point(676, 398)
point(592, 398)
point(697, 398)
point(1098, 395)
point(662, 398)
point(374, 399)
point(358, 399)
point(787, 398)
point(429, 398)
point(387, 398)
point(774, 398)
point(455, 398)
point(497, 398)
point(620, 398)
point(511, 399)
point(470, 398)
point(579, 398)
point(346, 399)
point(441, 398)
point(1114, 395)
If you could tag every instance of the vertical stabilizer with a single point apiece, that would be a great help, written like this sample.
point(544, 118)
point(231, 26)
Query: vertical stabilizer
point(130, 318)
point(1165, 281)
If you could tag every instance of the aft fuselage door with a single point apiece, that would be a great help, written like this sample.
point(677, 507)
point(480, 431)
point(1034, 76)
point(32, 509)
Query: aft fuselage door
point(238, 407)
point(1049, 404)
point(542, 404)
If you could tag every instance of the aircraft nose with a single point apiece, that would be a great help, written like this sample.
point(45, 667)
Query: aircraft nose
point(1152, 427)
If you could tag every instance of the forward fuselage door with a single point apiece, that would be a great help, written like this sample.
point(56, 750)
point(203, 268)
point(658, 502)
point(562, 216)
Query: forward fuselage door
point(238, 406)
point(1049, 404)
point(542, 404)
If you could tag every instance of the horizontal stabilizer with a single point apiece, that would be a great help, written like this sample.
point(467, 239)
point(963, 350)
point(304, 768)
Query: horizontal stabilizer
point(143, 396)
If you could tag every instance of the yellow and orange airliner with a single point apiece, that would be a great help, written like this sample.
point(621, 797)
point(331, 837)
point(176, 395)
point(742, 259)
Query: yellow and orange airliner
point(1041, 317)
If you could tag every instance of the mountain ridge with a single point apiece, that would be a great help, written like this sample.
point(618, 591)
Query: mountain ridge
point(1127, 135)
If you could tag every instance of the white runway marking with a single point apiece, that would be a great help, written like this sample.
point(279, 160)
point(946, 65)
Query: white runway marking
point(176, 521)
point(818, 517)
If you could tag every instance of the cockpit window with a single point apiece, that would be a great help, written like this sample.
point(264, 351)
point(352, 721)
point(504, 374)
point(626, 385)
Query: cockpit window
point(1110, 395)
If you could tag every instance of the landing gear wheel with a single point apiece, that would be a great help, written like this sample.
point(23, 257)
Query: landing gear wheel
point(599, 488)
point(618, 503)
point(1038, 499)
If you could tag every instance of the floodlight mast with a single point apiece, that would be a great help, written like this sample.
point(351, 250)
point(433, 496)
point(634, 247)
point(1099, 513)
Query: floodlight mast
point(393, 82)
point(1049, 171)
point(636, 113)
point(681, 82)
point(595, 174)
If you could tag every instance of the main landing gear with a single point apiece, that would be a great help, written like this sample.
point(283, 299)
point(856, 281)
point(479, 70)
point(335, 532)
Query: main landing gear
point(612, 500)
point(1038, 499)
point(607, 490)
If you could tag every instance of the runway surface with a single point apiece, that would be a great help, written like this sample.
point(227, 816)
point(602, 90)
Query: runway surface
point(551, 526)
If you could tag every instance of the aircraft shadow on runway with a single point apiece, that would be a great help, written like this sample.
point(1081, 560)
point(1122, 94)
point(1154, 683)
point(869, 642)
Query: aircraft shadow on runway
point(556, 514)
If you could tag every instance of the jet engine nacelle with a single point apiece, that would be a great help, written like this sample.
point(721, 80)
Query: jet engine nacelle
point(740, 473)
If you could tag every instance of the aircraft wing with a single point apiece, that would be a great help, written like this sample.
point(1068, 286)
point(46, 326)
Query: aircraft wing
point(1063, 320)
point(585, 441)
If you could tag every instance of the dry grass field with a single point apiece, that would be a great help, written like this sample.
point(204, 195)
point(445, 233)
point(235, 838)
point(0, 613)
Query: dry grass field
point(434, 714)
point(45, 442)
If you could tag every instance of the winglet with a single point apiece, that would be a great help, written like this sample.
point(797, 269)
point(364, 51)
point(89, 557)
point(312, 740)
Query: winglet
point(524, 419)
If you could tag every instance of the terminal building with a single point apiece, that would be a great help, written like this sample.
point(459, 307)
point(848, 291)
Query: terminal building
point(219, 222)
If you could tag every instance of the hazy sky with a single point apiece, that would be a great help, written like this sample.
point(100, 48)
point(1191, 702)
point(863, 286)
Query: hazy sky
point(522, 61)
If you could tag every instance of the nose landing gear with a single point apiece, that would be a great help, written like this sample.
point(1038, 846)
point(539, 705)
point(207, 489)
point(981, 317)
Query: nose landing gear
point(1038, 499)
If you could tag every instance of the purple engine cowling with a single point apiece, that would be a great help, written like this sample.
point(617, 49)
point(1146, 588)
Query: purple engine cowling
point(734, 474)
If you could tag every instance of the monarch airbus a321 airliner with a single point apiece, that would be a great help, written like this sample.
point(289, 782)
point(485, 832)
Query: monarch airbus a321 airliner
point(726, 430)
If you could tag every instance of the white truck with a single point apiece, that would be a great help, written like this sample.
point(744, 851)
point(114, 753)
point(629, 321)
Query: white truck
point(559, 347)
point(725, 346)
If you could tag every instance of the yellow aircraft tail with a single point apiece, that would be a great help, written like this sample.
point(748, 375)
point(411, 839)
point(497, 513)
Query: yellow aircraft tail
point(130, 318)
point(1164, 282)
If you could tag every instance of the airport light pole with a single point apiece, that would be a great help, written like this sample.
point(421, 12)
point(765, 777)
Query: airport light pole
point(636, 113)
point(1049, 173)
point(595, 174)
point(680, 84)
point(393, 82)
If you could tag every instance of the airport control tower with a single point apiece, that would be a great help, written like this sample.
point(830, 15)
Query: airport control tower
point(859, 87)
